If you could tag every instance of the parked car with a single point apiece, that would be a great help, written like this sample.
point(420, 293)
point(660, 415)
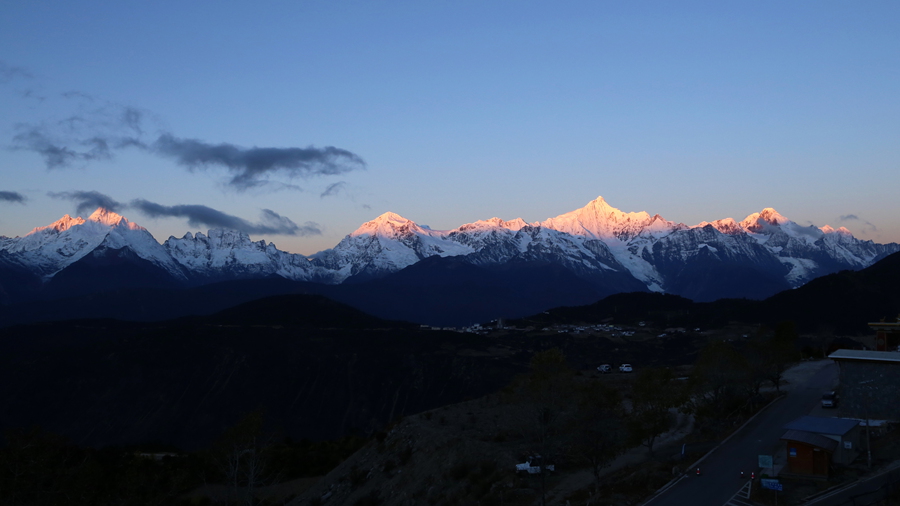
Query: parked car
point(605, 368)
point(532, 465)
point(829, 399)
point(625, 368)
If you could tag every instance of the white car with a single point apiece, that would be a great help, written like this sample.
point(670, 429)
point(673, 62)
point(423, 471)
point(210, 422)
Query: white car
point(532, 465)
point(625, 368)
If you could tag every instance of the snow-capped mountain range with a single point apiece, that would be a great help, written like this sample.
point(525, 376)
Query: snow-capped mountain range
point(613, 250)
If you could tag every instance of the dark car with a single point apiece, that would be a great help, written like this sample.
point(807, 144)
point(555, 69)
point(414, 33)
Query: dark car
point(829, 400)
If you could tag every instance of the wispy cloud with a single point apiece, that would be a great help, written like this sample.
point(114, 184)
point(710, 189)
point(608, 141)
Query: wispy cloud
point(11, 72)
point(58, 154)
point(333, 189)
point(98, 133)
point(132, 118)
point(15, 197)
point(94, 132)
point(270, 223)
point(88, 201)
point(867, 225)
point(84, 128)
point(252, 167)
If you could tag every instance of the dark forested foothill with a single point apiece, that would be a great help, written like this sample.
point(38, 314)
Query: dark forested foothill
point(39, 468)
point(320, 370)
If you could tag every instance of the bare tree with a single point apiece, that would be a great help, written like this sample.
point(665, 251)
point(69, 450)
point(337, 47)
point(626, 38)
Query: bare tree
point(242, 455)
point(719, 374)
point(597, 427)
point(781, 352)
point(653, 394)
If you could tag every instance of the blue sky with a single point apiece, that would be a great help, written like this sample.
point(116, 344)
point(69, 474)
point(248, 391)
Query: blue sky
point(448, 112)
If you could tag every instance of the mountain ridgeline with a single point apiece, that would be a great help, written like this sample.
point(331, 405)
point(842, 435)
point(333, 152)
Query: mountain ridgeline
point(107, 266)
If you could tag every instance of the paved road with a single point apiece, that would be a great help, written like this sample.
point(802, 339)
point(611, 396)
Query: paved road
point(719, 480)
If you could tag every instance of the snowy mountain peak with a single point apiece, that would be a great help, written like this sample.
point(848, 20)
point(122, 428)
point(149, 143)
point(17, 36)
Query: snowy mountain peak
point(60, 225)
point(595, 242)
point(389, 225)
point(390, 217)
point(756, 222)
point(48, 250)
point(599, 220)
point(514, 225)
point(726, 226)
point(773, 217)
point(111, 219)
point(599, 207)
point(828, 229)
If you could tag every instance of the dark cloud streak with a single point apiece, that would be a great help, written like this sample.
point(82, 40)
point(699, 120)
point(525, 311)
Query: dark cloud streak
point(333, 189)
point(88, 201)
point(252, 166)
point(15, 197)
point(271, 222)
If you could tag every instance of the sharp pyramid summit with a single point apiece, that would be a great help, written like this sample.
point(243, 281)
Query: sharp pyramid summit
point(599, 220)
point(609, 249)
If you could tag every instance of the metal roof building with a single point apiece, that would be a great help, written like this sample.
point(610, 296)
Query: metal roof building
point(810, 434)
point(823, 425)
point(866, 355)
point(811, 439)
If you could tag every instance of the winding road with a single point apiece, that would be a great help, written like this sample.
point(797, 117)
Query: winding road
point(719, 482)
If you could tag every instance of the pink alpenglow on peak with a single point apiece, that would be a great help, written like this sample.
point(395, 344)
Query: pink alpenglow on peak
point(599, 220)
point(60, 225)
point(514, 225)
point(772, 216)
point(828, 229)
point(109, 218)
point(767, 216)
point(101, 216)
point(726, 226)
point(390, 225)
point(48, 250)
point(590, 241)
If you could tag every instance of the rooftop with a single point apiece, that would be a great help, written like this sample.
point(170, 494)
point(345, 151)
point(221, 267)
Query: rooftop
point(883, 325)
point(869, 355)
point(822, 425)
point(810, 438)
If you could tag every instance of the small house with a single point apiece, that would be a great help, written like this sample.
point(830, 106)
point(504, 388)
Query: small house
point(808, 454)
point(814, 443)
